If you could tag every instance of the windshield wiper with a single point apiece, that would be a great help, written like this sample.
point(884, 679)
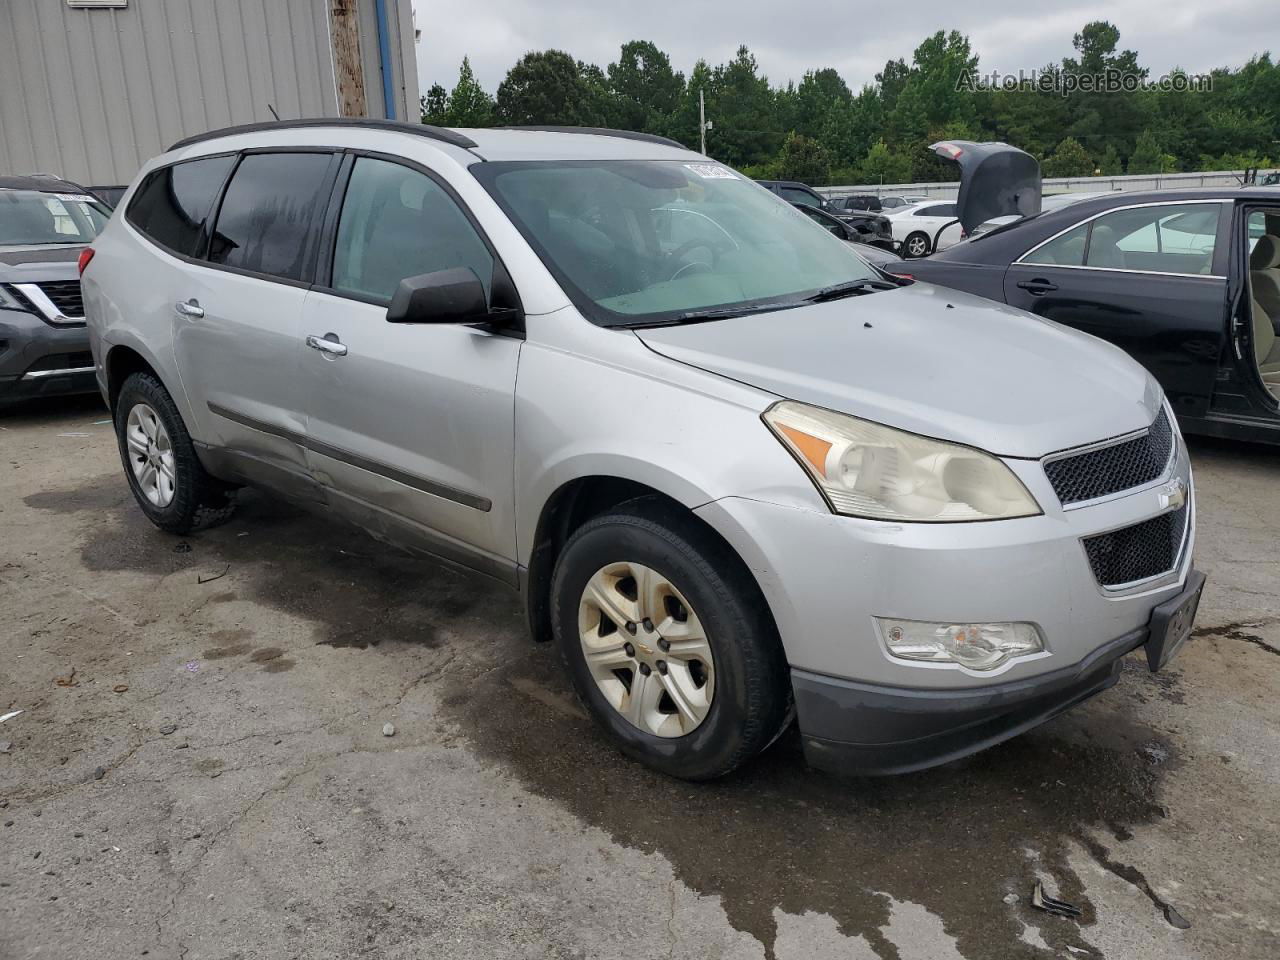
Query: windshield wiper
point(710, 313)
point(852, 288)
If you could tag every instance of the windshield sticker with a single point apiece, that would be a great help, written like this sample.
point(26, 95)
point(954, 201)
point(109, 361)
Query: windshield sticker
point(711, 171)
point(75, 197)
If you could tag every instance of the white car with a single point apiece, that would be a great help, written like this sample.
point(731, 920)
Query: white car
point(919, 228)
point(894, 202)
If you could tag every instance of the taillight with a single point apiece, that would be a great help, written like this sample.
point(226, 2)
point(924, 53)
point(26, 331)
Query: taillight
point(85, 256)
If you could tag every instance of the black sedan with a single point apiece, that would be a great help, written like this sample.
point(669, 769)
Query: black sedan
point(1186, 281)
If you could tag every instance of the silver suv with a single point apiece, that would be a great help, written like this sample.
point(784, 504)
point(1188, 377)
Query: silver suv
point(737, 473)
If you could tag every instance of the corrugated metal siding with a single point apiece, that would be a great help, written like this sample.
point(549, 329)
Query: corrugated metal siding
point(92, 94)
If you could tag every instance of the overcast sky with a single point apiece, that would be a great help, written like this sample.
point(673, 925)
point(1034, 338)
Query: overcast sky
point(855, 38)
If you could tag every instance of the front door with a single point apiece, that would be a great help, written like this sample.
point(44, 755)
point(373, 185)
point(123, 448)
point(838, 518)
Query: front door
point(410, 426)
point(1150, 279)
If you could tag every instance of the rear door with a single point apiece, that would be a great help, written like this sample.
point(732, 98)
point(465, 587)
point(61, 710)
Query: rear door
point(1149, 278)
point(237, 321)
point(410, 426)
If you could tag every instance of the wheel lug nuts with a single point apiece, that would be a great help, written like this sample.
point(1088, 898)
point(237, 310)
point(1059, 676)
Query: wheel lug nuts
point(664, 645)
point(645, 670)
point(648, 624)
point(662, 667)
point(630, 650)
point(631, 628)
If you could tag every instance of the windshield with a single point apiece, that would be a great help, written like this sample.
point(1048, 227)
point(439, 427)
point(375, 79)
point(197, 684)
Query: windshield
point(641, 242)
point(35, 217)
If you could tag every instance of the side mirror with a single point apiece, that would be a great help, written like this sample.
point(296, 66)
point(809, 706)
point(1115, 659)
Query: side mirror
point(446, 296)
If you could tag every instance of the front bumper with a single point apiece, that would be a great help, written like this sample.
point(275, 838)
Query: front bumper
point(827, 578)
point(41, 360)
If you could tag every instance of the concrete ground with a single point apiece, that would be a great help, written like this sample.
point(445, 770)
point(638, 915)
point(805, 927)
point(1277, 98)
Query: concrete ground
point(200, 769)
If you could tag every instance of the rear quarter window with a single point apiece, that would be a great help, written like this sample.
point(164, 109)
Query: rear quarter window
point(173, 204)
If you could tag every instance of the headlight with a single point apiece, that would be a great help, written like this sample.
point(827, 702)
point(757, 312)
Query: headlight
point(868, 470)
point(978, 646)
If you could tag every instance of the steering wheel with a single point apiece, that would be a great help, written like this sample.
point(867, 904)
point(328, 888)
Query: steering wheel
point(676, 255)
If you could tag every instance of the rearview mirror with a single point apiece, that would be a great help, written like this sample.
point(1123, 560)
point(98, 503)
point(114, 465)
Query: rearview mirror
point(446, 296)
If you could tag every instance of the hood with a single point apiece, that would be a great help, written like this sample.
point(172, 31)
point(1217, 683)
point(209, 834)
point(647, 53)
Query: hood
point(996, 180)
point(32, 263)
point(933, 361)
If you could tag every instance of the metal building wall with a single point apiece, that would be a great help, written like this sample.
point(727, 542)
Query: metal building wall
point(90, 94)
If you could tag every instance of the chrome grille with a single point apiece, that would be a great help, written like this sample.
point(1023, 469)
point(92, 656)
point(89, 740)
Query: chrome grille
point(65, 295)
point(1140, 552)
point(1120, 466)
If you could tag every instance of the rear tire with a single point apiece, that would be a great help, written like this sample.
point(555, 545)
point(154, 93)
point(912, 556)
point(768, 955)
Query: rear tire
point(733, 683)
point(167, 479)
point(916, 245)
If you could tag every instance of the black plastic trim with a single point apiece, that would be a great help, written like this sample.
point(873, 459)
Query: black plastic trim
point(396, 126)
point(435, 488)
point(602, 132)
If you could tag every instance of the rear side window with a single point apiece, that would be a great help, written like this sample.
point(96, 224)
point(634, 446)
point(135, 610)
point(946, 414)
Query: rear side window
point(801, 196)
point(173, 204)
point(267, 215)
point(1064, 251)
point(397, 223)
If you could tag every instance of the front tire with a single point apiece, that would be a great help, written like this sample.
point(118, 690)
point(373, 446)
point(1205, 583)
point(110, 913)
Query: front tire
point(692, 682)
point(916, 246)
point(167, 479)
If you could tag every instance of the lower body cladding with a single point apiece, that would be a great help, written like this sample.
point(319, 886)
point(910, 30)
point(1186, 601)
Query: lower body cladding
point(833, 581)
point(41, 360)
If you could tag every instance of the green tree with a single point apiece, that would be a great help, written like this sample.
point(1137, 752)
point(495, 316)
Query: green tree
point(805, 159)
point(435, 105)
point(1147, 157)
point(545, 87)
point(469, 105)
point(882, 165)
point(742, 106)
point(1109, 165)
point(646, 91)
point(1069, 160)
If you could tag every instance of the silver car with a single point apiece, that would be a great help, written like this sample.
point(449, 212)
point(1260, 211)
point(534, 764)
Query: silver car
point(736, 473)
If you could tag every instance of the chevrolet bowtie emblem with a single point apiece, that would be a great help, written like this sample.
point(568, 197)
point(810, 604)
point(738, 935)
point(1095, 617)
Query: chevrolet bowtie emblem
point(1173, 495)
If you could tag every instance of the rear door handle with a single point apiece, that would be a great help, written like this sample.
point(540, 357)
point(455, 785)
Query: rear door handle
point(1037, 287)
point(190, 308)
point(328, 344)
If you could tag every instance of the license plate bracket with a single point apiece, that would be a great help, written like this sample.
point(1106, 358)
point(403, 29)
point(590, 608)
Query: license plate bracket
point(1171, 622)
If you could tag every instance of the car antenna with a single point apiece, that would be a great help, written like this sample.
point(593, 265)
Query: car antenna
point(273, 112)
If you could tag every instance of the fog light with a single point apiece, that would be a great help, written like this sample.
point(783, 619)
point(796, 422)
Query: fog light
point(978, 646)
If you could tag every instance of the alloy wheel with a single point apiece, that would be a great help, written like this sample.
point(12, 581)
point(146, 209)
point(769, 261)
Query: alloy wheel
point(151, 455)
point(646, 649)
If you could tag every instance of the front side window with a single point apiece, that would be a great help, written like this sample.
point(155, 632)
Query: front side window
point(649, 241)
point(172, 206)
point(800, 196)
point(398, 223)
point(267, 216)
point(1172, 238)
point(37, 217)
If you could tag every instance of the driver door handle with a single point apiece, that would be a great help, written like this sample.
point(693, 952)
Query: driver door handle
point(189, 308)
point(328, 344)
point(1037, 287)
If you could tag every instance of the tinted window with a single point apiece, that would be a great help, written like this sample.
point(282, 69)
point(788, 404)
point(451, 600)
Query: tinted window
point(801, 196)
point(398, 223)
point(265, 224)
point(1160, 239)
point(172, 206)
point(1066, 250)
point(937, 210)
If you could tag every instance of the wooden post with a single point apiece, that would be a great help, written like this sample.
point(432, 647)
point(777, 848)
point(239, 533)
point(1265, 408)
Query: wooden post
point(344, 27)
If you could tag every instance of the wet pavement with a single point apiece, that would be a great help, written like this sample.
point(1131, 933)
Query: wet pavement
point(237, 797)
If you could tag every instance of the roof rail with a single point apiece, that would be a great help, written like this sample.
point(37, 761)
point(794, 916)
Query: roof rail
point(417, 129)
point(603, 132)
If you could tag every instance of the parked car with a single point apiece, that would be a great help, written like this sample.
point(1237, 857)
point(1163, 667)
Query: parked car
point(920, 228)
point(869, 228)
point(45, 224)
point(905, 200)
point(108, 195)
point(1183, 280)
point(795, 192)
point(732, 468)
point(860, 203)
point(1051, 202)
